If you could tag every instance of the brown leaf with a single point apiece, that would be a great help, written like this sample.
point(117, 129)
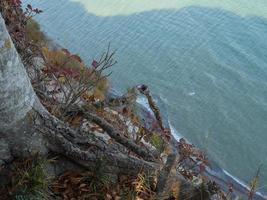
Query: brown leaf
point(117, 198)
point(108, 197)
point(77, 58)
point(75, 180)
point(66, 51)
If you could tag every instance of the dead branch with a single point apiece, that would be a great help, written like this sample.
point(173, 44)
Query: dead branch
point(145, 91)
point(115, 134)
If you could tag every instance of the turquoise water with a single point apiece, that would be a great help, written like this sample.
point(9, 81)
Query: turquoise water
point(207, 60)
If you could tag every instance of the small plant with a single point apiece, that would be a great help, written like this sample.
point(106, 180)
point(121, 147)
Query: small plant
point(157, 142)
point(30, 12)
point(192, 161)
point(98, 179)
point(254, 183)
point(16, 20)
point(34, 33)
point(129, 194)
point(70, 81)
point(28, 180)
point(143, 186)
point(140, 187)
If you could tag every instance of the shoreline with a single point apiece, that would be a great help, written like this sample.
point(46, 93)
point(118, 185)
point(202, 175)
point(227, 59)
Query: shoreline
point(217, 174)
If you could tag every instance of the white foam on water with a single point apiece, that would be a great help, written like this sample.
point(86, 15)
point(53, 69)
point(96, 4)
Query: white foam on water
point(240, 182)
point(191, 93)
point(174, 132)
point(236, 179)
point(143, 101)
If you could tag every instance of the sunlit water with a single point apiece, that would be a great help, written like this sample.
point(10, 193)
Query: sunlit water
point(207, 60)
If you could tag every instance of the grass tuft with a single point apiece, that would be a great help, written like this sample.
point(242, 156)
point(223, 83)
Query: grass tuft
point(28, 180)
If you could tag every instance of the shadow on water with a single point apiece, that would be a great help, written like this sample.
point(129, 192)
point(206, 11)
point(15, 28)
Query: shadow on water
point(208, 65)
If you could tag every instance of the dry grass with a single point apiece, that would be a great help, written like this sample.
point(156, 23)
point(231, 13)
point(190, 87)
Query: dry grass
point(27, 180)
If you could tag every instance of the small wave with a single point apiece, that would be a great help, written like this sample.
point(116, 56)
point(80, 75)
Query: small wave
point(143, 101)
point(191, 93)
point(175, 133)
point(241, 182)
point(236, 179)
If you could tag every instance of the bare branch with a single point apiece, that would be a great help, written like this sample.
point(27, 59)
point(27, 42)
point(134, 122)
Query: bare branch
point(116, 135)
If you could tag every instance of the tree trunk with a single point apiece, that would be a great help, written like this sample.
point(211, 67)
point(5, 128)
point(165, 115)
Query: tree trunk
point(27, 128)
point(17, 100)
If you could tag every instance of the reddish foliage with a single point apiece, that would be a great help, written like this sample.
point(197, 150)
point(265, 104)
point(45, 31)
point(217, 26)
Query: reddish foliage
point(16, 21)
point(30, 9)
point(95, 64)
point(77, 58)
point(202, 167)
point(230, 187)
point(16, 2)
point(66, 51)
point(192, 160)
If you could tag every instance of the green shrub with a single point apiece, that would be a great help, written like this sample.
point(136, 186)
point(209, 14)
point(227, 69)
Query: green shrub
point(157, 142)
point(34, 33)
